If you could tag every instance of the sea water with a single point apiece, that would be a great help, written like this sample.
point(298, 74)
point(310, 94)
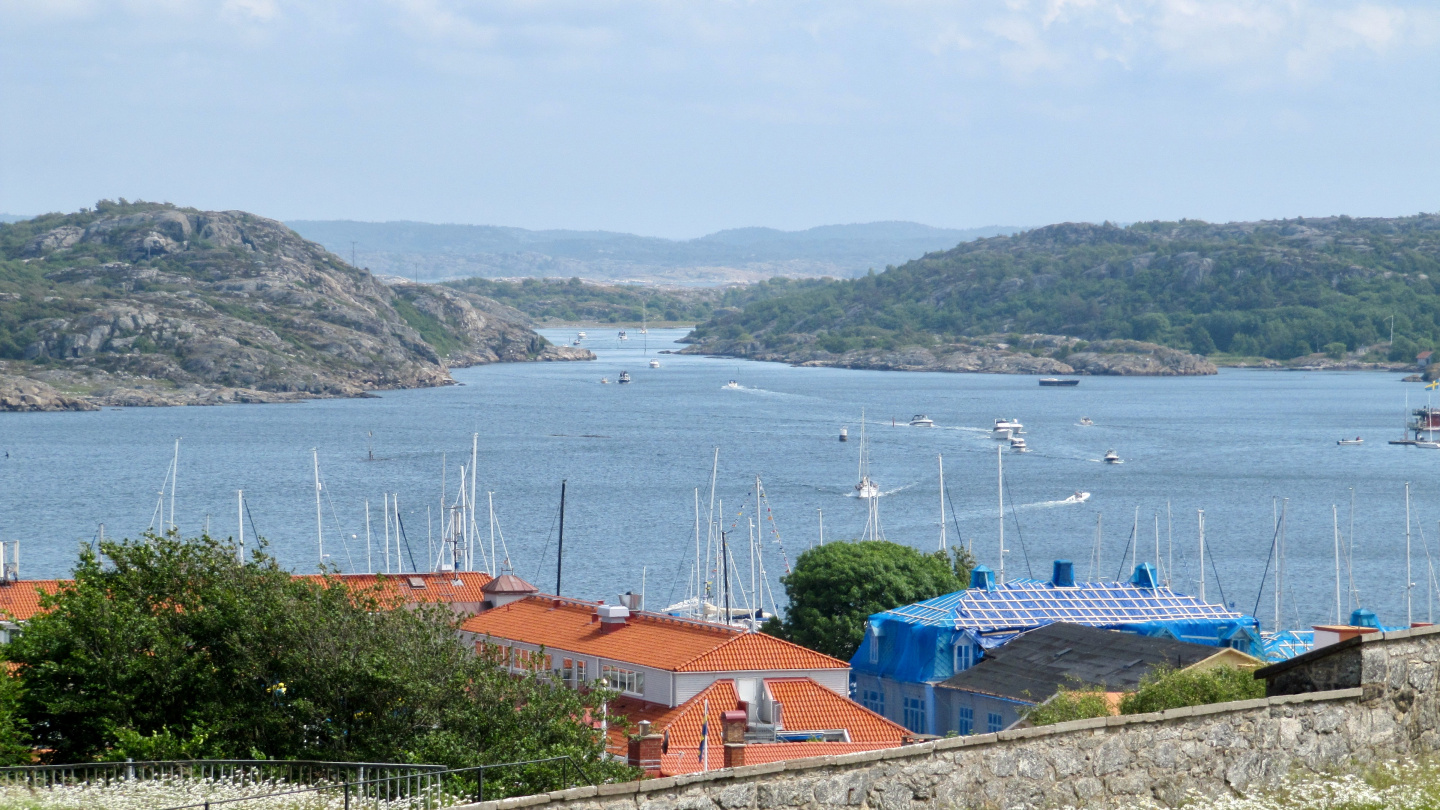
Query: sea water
point(633, 458)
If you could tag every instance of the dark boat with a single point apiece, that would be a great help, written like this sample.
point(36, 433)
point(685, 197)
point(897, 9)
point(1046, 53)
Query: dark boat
point(1055, 381)
point(624, 377)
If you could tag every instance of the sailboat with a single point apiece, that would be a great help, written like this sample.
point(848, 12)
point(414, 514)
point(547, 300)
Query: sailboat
point(867, 488)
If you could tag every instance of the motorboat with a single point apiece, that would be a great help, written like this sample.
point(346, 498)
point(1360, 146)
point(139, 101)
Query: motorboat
point(604, 380)
point(575, 342)
point(1356, 440)
point(1057, 381)
point(921, 420)
point(731, 384)
point(654, 364)
point(622, 335)
point(1085, 422)
point(1078, 497)
point(1009, 424)
point(580, 335)
point(867, 488)
point(1112, 457)
point(1001, 434)
point(1017, 445)
point(624, 377)
point(1428, 445)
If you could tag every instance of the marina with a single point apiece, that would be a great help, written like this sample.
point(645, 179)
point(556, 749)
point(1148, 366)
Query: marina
point(634, 454)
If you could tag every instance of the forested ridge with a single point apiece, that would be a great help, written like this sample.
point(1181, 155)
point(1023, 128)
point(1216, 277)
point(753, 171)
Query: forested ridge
point(1278, 289)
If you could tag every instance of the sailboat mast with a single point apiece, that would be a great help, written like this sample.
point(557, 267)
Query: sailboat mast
point(474, 461)
point(1157, 543)
point(698, 560)
point(560, 552)
point(940, 459)
point(1201, 514)
point(1169, 543)
point(369, 566)
point(386, 518)
point(494, 560)
point(173, 478)
point(240, 520)
point(1335, 523)
point(1000, 488)
point(319, 533)
point(1409, 610)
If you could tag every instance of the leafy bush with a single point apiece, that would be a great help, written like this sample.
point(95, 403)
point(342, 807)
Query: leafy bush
point(1080, 703)
point(1163, 688)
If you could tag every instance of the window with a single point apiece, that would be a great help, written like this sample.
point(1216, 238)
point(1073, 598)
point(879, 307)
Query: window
point(994, 722)
point(874, 700)
point(624, 680)
point(580, 678)
point(915, 715)
point(966, 724)
point(874, 645)
point(964, 656)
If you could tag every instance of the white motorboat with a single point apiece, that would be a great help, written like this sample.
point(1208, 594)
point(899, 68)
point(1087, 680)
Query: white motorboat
point(1078, 497)
point(731, 384)
point(1356, 440)
point(624, 377)
point(1001, 434)
point(580, 335)
point(1085, 422)
point(1017, 445)
point(623, 336)
point(1009, 424)
point(604, 380)
point(1112, 457)
point(654, 364)
point(1428, 445)
point(921, 420)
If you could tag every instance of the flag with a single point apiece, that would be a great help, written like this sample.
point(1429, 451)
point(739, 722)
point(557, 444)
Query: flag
point(1432, 386)
point(705, 738)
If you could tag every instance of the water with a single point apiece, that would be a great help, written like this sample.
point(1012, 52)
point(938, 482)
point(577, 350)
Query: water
point(633, 456)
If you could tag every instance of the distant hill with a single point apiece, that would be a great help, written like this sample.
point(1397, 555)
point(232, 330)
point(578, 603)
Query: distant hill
point(151, 304)
point(1281, 290)
point(435, 252)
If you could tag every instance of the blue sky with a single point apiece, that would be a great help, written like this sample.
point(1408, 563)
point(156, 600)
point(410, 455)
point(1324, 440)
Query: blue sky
point(681, 118)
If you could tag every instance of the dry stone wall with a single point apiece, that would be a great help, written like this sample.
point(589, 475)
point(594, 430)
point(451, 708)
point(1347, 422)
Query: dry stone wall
point(1162, 757)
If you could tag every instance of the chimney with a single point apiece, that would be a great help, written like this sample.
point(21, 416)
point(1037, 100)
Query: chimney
point(733, 724)
point(645, 750)
point(734, 755)
point(1064, 576)
point(632, 601)
point(982, 577)
point(612, 617)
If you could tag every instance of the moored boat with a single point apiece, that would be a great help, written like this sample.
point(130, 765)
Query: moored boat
point(1356, 440)
point(654, 364)
point(624, 377)
point(1055, 381)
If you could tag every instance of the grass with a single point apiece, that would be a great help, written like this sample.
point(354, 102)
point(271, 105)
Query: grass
point(155, 795)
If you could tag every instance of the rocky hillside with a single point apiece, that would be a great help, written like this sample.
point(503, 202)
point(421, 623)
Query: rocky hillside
point(1312, 291)
point(149, 304)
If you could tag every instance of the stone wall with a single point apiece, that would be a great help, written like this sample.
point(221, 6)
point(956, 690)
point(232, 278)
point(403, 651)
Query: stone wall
point(1164, 757)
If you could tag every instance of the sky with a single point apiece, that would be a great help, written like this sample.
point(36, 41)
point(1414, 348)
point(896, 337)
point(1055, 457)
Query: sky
point(677, 119)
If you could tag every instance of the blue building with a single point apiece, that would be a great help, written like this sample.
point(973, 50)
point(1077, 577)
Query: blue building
point(906, 651)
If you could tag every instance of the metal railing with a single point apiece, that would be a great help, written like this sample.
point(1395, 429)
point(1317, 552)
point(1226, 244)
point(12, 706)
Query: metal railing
point(434, 789)
point(235, 771)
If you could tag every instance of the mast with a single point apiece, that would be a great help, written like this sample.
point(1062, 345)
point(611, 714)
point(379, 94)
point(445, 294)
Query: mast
point(1201, 513)
point(175, 464)
point(387, 531)
point(319, 534)
point(239, 519)
point(470, 546)
point(369, 566)
point(940, 459)
point(698, 573)
point(821, 513)
point(1335, 522)
point(1409, 585)
point(494, 561)
point(560, 552)
point(1000, 488)
point(725, 566)
point(1170, 544)
point(1157, 543)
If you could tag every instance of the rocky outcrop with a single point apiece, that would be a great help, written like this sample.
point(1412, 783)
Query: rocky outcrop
point(20, 394)
point(156, 305)
point(1044, 354)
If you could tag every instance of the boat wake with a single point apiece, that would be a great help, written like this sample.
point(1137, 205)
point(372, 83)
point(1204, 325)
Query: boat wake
point(854, 494)
point(1077, 498)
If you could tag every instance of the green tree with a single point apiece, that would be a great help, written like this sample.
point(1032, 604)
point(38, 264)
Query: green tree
point(1079, 703)
point(834, 588)
point(169, 647)
point(1163, 688)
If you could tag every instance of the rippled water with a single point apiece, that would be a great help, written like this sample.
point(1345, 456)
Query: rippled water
point(634, 454)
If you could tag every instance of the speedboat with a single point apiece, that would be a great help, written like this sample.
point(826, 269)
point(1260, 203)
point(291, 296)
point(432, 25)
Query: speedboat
point(1008, 424)
point(623, 336)
point(1112, 457)
point(1001, 434)
point(731, 384)
point(1428, 445)
point(580, 335)
point(1078, 497)
point(1057, 381)
point(654, 364)
point(921, 420)
point(604, 380)
point(624, 377)
point(1017, 445)
point(1085, 422)
point(575, 342)
point(867, 488)
point(1356, 440)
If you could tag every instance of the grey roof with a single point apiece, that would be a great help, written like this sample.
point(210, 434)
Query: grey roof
point(1035, 665)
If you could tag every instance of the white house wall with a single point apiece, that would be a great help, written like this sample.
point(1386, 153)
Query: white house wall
point(690, 684)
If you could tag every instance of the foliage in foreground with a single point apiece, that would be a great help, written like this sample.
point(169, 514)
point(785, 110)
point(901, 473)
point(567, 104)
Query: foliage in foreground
point(834, 588)
point(1081, 703)
point(1162, 689)
point(168, 648)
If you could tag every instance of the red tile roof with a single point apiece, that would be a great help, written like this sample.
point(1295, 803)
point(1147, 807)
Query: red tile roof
point(647, 639)
point(808, 706)
point(20, 600)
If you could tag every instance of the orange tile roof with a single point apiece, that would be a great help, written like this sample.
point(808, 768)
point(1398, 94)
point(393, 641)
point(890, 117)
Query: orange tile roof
point(648, 639)
point(438, 587)
point(808, 707)
point(20, 600)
